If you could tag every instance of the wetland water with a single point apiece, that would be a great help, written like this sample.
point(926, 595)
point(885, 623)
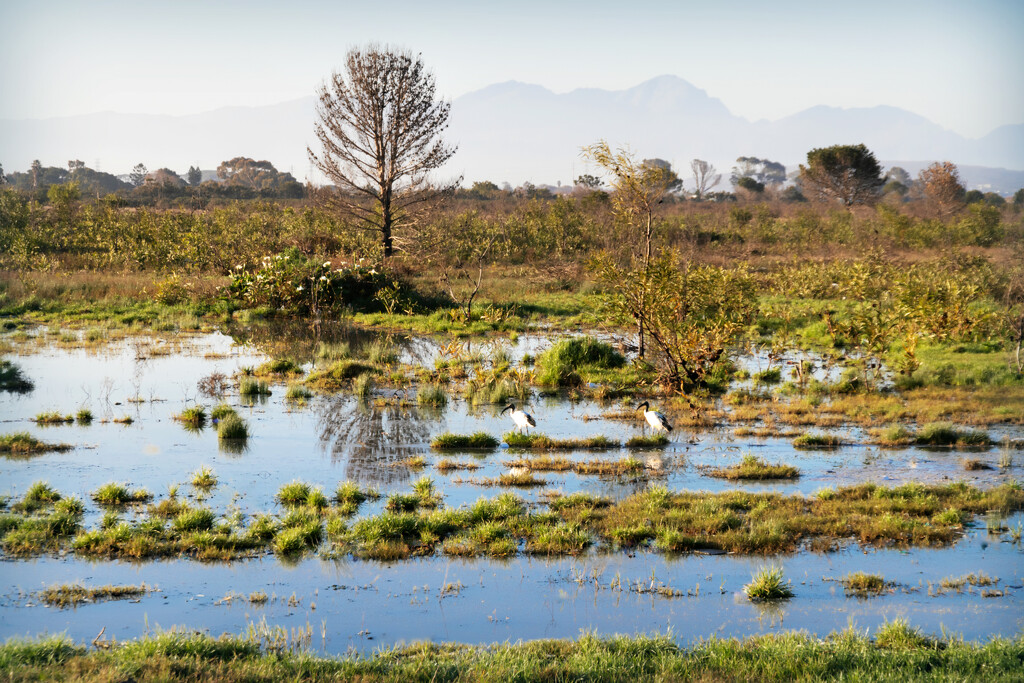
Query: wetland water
point(365, 604)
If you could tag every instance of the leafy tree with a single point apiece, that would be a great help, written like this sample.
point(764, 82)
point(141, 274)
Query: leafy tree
point(898, 175)
point(1018, 198)
point(847, 173)
point(256, 175)
point(973, 197)
point(704, 177)
point(379, 127)
point(590, 182)
point(194, 176)
point(638, 189)
point(942, 187)
point(138, 175)
point(750, 185)
point(37, 167)
point(764, 172)
point(165, 176)
point(3, 178)
point(75, 165)
point(692, 314)
point(672, 180)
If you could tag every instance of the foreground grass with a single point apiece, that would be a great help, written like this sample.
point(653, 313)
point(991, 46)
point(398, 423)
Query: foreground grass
point(896, 653)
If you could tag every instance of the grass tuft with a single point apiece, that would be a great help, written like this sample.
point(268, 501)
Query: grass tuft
point(769, 584)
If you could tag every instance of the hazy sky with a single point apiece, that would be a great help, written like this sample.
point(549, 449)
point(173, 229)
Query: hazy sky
point(958, 63)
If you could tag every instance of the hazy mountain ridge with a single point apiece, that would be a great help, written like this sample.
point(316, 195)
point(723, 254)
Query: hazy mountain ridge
point(516, 132)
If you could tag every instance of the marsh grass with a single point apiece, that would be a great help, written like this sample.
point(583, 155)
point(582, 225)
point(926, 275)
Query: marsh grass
point(113, 493)
point(974, 465)
point(863, 585)
point(621, 467)
point(817, 440)
point(893, 435)
point(769, 584)
point(298, 393)
point(542, 463)
point(752, 467)
point(433, 395)
point(220, 411)
point(362, 385)
point(278, 367)
point(24, 444)
point(53, 418)
point(449, 465)
point(204, 478)
point(194, 416)
point(84, 416)
point(479, 440)
point(72, 595)
point(232, 428)
point(648, 441)
point(947, 434)
point(540, 442)
point(250, 387)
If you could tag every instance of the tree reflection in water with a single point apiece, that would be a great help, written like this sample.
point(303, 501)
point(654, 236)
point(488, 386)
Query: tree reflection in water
point(371, 439)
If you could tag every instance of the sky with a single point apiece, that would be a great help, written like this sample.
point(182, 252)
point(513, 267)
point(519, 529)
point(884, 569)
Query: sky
point(958, 63)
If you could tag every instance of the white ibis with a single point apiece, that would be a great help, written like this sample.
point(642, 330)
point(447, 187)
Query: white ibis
point(655, 418)
point(522, 420)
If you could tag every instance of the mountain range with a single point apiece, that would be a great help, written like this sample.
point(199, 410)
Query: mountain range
point(515, 132)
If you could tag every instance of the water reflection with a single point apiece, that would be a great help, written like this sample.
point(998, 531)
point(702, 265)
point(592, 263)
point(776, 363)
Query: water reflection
point(371, 439)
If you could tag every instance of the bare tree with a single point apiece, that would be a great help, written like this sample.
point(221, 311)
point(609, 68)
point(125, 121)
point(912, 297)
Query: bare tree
point(704, 177)
point(380, 128)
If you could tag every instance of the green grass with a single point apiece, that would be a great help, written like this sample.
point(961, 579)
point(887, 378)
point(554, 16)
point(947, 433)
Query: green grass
point(204, 478)
point(24, 444)
point(250, 387)
point(433, 395)
point(298, 393)
point(279, 366)
point(752, 467)
point(541, 442)
point(194, 416)
point(947, 434)
point(84, 416)
point(817, 440)
point(449, 441)
point(294, 493)
point(769, 584)
point(232, 428)
point(897, 653)
point(220, 411)
point(893, 435)
point(113, 493)
point(570, 362)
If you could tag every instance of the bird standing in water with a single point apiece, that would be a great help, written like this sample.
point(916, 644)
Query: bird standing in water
point(522, 420)
point(655, 418)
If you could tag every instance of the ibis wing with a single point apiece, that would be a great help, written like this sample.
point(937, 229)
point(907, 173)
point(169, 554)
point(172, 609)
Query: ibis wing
point(530, 420)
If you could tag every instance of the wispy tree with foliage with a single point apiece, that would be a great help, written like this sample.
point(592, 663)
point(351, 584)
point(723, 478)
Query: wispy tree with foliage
point(942, 187)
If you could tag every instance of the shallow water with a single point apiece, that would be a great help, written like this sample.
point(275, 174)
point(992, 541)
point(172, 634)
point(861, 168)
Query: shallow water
point(335, 438)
